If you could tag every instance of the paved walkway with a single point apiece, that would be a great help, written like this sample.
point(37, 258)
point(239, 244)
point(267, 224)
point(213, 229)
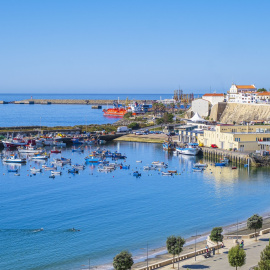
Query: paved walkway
point(220, 261)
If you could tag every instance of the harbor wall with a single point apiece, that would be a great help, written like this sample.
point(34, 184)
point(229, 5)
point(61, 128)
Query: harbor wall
point(217, 154)
point(74, 101)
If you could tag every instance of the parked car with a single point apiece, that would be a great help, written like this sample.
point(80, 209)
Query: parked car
point(214, 146)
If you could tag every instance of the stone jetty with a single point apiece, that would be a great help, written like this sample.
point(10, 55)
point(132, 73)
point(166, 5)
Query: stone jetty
point(74, 101)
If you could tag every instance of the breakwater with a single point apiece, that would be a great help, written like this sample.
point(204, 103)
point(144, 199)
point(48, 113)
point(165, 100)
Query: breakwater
point(71, 101)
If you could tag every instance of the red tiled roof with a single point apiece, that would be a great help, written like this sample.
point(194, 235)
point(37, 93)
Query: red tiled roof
point(263, 93)
point(245, 86)
point(213, 95)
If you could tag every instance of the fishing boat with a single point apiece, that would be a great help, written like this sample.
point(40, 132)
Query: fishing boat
point(137, 174)
point(55, 151)
point(166, 174)
point(73, 170)
point(126, 167)
point(149, 168)
point(13, 170)
point(200, 165)
point(191, 149)
point(62, 161)
point(39, 156)
point(29, 149)
point(168, 145)
point(14, 159)
point(160, 164)
point(15, 142)
point(92, 159)
point(220, 164)
point(56, 173)
point(234, 168)
point(225, 160)
point(172, 171)
point(196, 169)
point(50, 168)
point(35, 170)
point(76, 141)
point(78, 167)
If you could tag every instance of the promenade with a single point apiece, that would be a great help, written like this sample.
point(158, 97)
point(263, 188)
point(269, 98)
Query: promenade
point(220, 261)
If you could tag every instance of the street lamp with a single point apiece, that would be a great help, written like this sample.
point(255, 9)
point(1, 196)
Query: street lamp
point(195, 241)
point(146, 256)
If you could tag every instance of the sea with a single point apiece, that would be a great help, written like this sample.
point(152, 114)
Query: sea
point(13, 115)
point(116, 211)
point(62, 223)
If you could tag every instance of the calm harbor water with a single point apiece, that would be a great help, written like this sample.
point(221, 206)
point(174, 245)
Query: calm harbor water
point(60, 115)
point(117, 211)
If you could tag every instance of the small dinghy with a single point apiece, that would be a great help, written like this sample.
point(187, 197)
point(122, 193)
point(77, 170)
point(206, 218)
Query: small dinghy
point(73, 171)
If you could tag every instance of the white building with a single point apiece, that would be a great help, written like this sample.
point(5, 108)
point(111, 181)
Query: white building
point(214, 98)
point(235, 90)
point(201, 106)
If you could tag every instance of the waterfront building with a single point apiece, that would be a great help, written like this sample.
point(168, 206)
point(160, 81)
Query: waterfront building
point(214, 98)
point(244, 138)
point(201, 106)
point(235, 90)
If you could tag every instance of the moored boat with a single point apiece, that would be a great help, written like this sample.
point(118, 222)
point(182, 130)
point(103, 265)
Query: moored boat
point(14, 159)
point(192, 149)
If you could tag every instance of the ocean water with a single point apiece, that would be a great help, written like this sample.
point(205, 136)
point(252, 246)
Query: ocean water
point(13, 115)
point(117, 211)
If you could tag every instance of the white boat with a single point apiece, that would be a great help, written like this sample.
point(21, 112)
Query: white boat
point(34, 170)
point(78, 167)
point(160, 164)
point(197, 169)
point(50, 168)
point(166, 174)
point(14, 143)
point(200, 165)
point(39, 156)
point(56, 173)
point(149, 168)
point(138, 161)
point(29, 150)
point(192, 149)
point(62, 160)
point(59, 144)
point(14, 159)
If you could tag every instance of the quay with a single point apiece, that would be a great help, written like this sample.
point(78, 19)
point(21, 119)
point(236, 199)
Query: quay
point(217, 154)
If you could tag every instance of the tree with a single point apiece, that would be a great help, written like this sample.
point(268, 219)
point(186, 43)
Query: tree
point(261, 90)
point(123, 261)
point(264, 263)
point(254, 223)
point(128, 115)
point(168, 117)
point(134, 125)
point(237, 256)
point(216, 235)
point(175, 245)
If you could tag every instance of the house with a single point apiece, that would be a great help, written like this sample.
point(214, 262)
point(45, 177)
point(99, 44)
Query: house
point(235, 90)
point(262, 97)
point(214, 98)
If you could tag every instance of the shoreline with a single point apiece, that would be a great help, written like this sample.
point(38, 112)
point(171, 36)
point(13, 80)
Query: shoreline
point(160, 253)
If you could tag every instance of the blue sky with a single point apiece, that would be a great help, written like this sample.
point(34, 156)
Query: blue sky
point(132, 46)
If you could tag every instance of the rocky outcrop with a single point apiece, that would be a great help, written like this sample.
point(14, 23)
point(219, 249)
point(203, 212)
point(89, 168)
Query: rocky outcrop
point(217, 111)
point(235, 112)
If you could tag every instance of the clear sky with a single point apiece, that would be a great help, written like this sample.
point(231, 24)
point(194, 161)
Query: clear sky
point(132, 46)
